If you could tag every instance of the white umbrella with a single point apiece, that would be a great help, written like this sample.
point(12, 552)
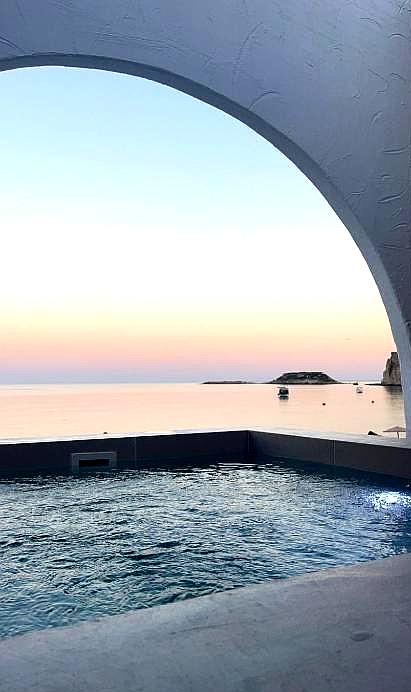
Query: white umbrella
point(397, 429)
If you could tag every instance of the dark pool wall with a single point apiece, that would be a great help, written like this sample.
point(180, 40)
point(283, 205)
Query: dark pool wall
point(384, 456)
point(131, 452)
point(376, 455)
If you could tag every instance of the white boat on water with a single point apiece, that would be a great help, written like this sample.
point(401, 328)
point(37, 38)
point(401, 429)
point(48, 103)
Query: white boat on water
point(283, 393)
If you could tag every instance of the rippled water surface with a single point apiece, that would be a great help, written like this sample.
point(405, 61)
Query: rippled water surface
point(73, 549)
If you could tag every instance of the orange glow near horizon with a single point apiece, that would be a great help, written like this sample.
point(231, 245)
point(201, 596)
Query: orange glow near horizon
point(171, 249)
point(249, 345)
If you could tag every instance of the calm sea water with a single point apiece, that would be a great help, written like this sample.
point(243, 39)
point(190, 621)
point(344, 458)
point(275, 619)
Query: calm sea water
point(72, 549)
point(63, 410)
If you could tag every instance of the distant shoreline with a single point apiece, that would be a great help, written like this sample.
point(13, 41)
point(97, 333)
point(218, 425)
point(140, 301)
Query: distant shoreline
point(302, 377)
point(273, 384)
point(301, 384)
point(231, 382)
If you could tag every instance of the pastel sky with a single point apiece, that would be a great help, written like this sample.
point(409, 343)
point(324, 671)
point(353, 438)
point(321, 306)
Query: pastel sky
point(149, 237)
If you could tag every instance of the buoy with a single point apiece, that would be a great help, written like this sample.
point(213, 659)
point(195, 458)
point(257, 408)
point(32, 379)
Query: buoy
point(323, 403)
point(372, 401)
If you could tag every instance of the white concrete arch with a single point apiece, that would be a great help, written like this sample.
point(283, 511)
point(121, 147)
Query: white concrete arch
point(329, 84)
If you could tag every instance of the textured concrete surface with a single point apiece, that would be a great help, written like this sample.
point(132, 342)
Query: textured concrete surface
point(342, 630)
point(328, 83)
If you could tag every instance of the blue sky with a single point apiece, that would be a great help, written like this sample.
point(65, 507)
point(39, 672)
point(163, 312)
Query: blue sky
point(150, 237)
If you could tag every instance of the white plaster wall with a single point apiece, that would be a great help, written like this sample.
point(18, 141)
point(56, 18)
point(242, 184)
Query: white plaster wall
point(326, 81)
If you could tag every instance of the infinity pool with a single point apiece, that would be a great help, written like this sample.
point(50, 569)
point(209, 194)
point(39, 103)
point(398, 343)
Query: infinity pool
point(77, 548)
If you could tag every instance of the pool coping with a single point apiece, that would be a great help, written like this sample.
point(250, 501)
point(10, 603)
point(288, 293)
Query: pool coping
point(300, 432)
point(133, 450)
point(341, 630)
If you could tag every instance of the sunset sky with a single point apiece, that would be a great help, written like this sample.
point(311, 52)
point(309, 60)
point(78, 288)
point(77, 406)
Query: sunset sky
point(149, 237)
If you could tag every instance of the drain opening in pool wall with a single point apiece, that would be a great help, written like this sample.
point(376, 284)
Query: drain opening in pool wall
point(87, 461)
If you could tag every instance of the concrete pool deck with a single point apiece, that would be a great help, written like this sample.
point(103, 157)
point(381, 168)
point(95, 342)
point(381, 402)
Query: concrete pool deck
point(339, 630)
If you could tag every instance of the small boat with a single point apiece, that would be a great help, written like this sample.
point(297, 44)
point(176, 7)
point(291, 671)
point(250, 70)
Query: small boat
point(283, 393)
point(359, 390)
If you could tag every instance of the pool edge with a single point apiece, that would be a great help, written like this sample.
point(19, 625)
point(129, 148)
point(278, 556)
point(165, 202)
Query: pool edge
point(338, 630)
point(358, 452)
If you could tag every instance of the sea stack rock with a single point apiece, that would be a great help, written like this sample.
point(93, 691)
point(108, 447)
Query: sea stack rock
point(392, 373)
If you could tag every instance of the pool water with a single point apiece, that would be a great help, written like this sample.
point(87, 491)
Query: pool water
point(77, 548)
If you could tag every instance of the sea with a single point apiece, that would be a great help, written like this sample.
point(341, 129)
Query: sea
point(63, 410)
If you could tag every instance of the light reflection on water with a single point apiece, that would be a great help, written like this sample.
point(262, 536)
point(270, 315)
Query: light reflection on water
point(64, 410)
point(387, 498)
point(72, 549)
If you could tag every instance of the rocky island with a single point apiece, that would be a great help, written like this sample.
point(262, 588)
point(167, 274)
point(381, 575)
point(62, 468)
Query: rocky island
point(304, 378)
